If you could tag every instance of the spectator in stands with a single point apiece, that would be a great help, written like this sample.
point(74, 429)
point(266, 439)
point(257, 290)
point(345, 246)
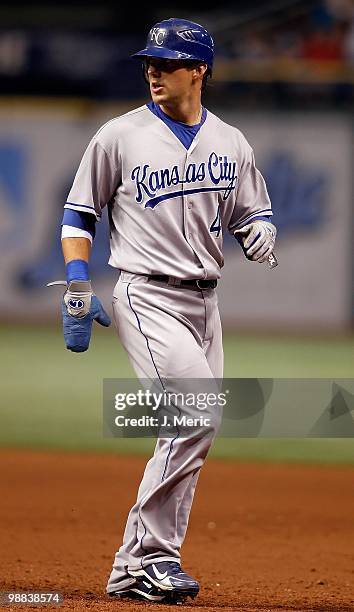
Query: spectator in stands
point(324, 44)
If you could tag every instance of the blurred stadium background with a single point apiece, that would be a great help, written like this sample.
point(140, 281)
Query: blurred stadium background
point(284, 74)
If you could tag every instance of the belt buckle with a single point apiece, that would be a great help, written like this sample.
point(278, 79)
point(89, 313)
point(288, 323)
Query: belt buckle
point(211, 284)
point(198, 281)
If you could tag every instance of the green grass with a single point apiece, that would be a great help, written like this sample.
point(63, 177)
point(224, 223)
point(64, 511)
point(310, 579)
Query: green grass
point(51, 398)
point(288, 357)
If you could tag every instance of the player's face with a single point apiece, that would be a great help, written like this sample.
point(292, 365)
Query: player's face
point(171, 81)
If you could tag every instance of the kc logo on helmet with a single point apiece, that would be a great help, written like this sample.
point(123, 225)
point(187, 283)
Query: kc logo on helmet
point(157, 36)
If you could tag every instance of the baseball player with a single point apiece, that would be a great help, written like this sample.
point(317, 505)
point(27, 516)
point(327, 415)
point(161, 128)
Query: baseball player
point(174, 177)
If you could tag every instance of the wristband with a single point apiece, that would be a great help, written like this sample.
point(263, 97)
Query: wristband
point(77, 269)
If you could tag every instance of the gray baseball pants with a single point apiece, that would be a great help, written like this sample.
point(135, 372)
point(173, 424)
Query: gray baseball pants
point(169, 333)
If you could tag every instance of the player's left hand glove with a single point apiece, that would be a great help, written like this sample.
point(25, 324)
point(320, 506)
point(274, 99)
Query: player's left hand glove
point(257, 240)
point(80, 307)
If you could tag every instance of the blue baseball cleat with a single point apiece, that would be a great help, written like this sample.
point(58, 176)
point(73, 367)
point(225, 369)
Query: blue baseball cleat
point(169, 577)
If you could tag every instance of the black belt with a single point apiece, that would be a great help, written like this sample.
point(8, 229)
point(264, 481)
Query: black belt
point(178, 282)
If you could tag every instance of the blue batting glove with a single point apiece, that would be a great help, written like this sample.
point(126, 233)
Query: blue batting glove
point(80, 307)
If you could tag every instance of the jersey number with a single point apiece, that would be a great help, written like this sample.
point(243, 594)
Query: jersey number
point(216, 224)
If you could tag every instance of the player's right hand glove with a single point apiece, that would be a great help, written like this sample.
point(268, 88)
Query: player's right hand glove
point(257, 240)
point(80, 307)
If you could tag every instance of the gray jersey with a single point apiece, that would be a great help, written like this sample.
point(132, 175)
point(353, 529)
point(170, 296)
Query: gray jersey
point(168, 206)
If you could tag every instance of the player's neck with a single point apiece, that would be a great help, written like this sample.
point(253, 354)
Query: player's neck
point(189, 112)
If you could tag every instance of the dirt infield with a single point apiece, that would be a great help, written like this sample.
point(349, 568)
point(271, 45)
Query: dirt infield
point(261, 537)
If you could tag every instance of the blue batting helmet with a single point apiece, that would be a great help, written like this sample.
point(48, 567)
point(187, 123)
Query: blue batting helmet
point(179, 39)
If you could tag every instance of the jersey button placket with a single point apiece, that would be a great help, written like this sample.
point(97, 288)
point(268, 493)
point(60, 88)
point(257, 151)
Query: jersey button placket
point(188, 212)
point(186, 204)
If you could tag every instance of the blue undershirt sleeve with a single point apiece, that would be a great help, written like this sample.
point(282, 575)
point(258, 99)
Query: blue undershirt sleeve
point(82, 220)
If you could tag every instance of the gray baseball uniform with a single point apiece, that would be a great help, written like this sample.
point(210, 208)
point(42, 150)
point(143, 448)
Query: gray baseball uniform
point(168, 207)
point(167, 204)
